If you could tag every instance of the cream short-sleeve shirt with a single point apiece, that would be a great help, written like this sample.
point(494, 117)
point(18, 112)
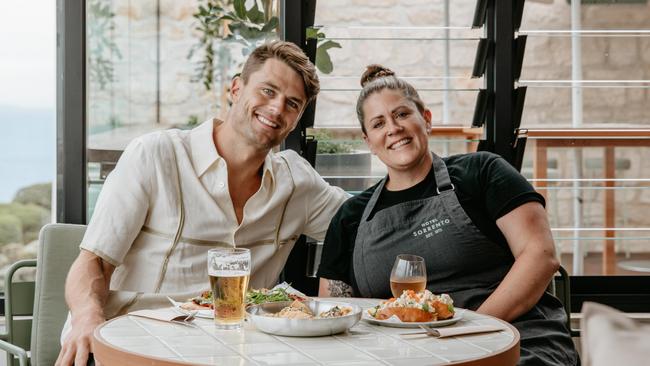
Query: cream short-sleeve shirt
point(137, 213)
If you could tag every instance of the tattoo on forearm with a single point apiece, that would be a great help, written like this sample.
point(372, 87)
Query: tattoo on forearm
point(339, 289)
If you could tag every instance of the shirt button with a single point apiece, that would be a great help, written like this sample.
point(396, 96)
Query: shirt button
point(221, 185)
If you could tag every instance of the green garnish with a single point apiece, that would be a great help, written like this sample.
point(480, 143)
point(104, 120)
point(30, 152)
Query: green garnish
point(264, 295)
point(425, 307)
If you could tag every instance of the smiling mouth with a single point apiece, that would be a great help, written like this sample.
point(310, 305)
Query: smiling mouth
point(396, 145)
point(263, 120)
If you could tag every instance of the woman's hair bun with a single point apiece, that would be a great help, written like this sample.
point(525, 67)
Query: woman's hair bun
point(374, 72)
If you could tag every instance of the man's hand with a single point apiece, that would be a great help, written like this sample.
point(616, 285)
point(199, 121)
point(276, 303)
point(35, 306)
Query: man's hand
point(78, 344)
point(86, 291)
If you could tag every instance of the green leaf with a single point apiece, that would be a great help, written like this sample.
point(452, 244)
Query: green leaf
point(255, 15)
point(323, 61)
point(240, 8)
point(329, 44)
point(226, 16)
point(312, 33)
point(249, 32)
point(271, 25)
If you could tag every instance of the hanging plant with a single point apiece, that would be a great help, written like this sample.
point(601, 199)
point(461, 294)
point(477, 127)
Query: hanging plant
point(323, 59)
point(101, 46)
point(231, 21)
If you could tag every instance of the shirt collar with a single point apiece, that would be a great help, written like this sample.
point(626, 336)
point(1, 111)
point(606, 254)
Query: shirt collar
point(267, 169)
point(204, 153)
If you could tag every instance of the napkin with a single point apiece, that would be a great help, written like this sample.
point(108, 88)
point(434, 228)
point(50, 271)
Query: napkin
point(470, 329)
point(164, 314)
point(458, 331)
point(290, 290)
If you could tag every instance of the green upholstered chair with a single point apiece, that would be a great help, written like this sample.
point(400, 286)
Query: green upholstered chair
point(560, 287)
point(58, 248)
point(19, 305)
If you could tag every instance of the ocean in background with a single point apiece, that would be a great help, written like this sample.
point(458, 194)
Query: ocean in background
point(27, 148)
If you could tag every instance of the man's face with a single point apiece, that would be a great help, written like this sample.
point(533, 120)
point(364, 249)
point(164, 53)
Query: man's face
point(269, 105)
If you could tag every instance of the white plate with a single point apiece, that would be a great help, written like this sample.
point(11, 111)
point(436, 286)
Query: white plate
point(396, 323)
point(207, 314)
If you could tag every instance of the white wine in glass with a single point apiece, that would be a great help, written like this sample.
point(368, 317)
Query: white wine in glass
point(409, 273)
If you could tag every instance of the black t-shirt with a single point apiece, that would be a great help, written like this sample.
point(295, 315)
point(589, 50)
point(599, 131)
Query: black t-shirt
point(487, 188)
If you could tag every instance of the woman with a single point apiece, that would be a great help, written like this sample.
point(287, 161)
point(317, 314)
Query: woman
point(478, 223)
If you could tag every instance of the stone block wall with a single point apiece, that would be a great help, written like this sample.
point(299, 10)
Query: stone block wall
point(154, 88)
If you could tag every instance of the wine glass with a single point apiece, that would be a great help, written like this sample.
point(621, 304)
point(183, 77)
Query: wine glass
point(409, 273)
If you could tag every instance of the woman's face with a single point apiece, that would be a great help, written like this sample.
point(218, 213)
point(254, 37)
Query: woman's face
point(395, 130)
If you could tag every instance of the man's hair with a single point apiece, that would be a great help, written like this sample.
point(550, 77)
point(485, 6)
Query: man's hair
point(291, 55)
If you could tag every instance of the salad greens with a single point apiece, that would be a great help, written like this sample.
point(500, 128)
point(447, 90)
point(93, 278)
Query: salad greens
point(264, 295)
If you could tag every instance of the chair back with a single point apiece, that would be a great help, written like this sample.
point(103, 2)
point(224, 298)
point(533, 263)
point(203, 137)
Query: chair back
point(58, 248)
point(19, 305)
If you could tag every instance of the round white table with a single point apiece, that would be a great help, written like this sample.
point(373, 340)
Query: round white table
point(132, 340)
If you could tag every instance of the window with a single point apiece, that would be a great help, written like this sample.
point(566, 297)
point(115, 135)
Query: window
point(146, 70)
point(586, 71)
point(430, 45)
point(27, 120)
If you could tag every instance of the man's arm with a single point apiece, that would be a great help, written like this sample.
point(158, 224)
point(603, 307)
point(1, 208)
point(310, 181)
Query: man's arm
point(527, 231)
point(334, 288)
point(86, 291)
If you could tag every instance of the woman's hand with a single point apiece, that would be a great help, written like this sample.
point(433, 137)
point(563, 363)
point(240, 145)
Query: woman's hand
point(528, 233)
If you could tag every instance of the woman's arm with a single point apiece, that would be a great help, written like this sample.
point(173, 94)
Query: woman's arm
point(334, 288)
point(527, 231)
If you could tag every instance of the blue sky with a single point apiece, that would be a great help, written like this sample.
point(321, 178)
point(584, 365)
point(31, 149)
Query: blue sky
point(28, 53)
point(27, 94)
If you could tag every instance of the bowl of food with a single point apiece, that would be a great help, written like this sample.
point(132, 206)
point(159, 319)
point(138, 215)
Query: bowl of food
point(413, 309)
point(304, 318)
point(201, 305)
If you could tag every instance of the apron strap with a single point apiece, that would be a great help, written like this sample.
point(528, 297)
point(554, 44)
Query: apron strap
point(443, 181)
point(373, 200)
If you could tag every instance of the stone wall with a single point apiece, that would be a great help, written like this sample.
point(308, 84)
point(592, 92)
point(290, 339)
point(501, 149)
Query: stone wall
point(139, 72)
point(131, 97)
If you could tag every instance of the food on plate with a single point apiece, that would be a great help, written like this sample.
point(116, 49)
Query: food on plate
point(298, 310)
point(201, 302)
point(411, 306)
point(336, 312)
point(253, 297)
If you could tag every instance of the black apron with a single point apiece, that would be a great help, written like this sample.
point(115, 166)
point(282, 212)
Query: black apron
point(460, 261)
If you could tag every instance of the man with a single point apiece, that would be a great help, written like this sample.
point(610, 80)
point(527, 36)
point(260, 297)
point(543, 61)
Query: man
point(175, 194)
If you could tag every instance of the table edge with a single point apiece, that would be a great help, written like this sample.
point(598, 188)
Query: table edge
point(108, 354)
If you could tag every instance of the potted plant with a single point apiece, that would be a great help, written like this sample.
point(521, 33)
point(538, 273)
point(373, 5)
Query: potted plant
point(338, 160)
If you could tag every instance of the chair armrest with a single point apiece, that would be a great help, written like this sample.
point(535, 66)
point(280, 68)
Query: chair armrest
point(16, 351)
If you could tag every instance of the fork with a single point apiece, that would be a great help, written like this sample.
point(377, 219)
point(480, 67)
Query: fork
point(189, 314)
point(430, 331)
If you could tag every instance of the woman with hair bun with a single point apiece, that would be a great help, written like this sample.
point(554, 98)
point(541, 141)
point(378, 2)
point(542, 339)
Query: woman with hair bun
point(480, 226)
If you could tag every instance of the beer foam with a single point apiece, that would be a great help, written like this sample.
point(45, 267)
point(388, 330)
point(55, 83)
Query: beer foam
point(222, 273)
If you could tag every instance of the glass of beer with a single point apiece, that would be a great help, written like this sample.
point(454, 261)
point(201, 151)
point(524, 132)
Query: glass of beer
point(229, 270)
point(409, 273)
